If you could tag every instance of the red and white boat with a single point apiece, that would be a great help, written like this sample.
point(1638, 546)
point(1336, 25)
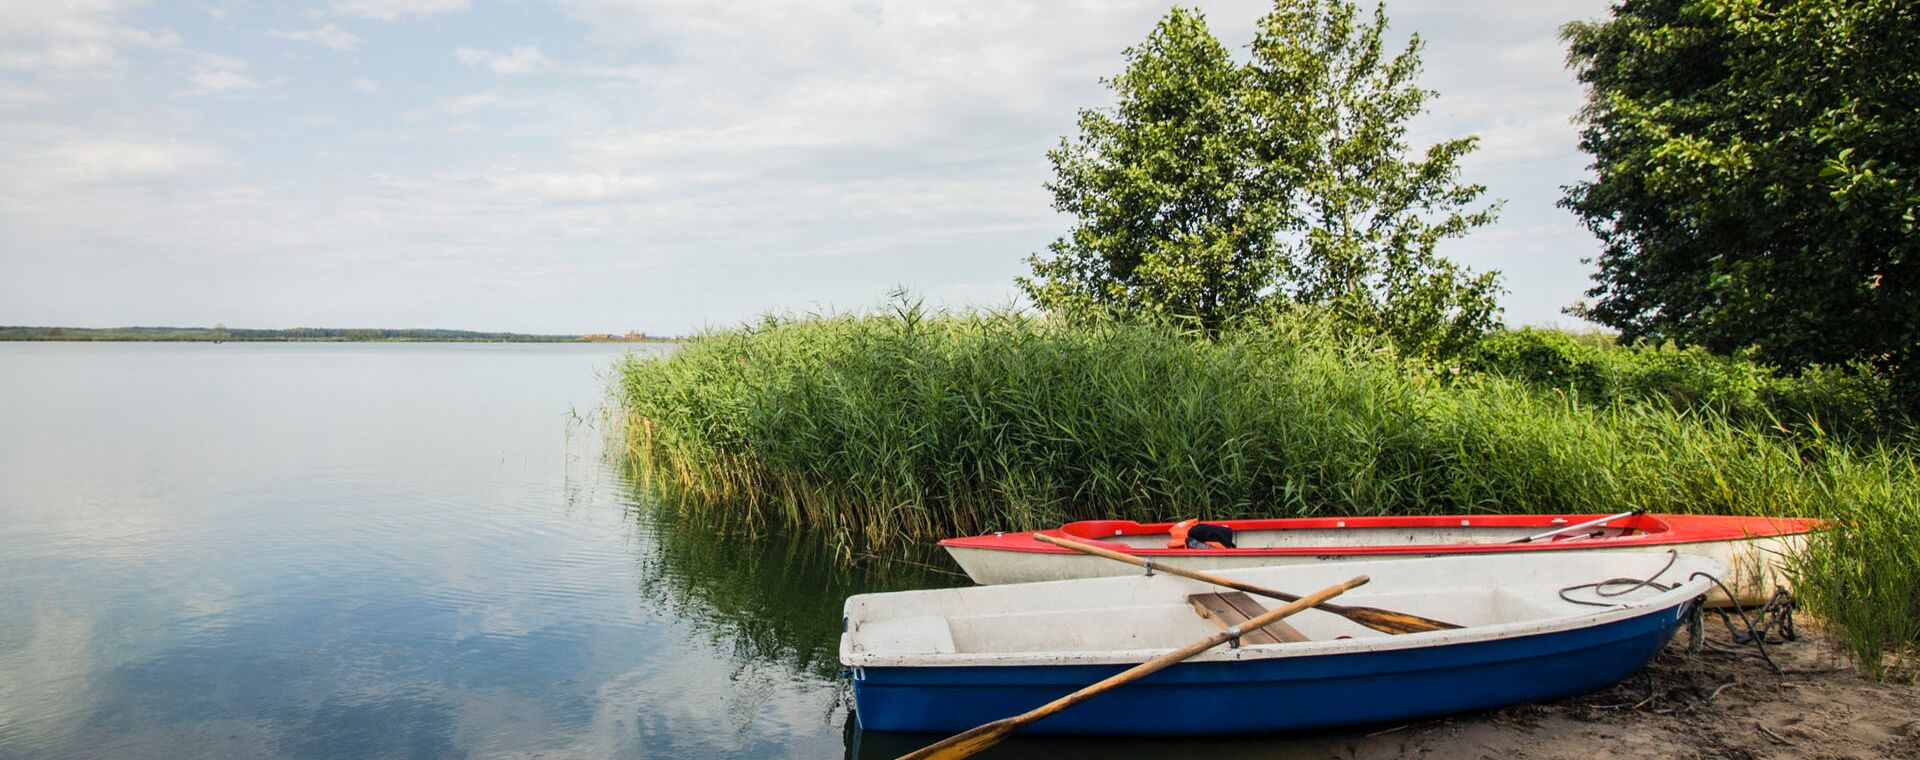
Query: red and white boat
point(1753, 548)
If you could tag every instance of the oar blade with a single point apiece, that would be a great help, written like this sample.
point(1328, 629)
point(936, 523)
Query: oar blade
point(1385, 621)
point(1389, 621)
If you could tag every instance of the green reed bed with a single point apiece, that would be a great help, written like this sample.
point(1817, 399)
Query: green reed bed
point(885, 432)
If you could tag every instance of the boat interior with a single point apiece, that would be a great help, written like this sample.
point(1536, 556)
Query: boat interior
point(1158, 612)
point(1354, 536)
point(1169, 625)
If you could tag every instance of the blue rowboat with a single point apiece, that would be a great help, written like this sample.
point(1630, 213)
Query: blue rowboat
point(951, 659)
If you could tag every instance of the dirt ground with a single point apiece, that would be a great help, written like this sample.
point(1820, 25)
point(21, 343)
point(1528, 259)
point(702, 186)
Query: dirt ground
point(1722, 702)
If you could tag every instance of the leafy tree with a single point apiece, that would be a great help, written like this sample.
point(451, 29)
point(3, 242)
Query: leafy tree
point(1756, 166)
point(1332, 113)
point(1213, 188)
point(1170, 222)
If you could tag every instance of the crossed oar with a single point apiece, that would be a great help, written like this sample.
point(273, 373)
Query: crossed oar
point(1387, 621)
point(987, 735)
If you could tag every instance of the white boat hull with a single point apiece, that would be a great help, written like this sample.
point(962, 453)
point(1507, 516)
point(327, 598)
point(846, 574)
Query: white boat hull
point(1533, 628)
point(1756, 565)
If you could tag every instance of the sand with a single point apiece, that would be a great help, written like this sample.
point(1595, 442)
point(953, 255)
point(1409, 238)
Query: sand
point(1713, 704)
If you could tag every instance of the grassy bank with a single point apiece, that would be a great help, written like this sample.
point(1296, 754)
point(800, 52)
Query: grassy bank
point(884, 431)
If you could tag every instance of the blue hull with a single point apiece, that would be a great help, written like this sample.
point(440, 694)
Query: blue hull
point(1279, 694)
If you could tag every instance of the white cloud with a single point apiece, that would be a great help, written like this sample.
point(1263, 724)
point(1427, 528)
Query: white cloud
point(463, 105)
point(522, 59)
point(564, 185)
point(16, 95)
point(119, 159)
point(81, 35)
point(220, 73)
point(222, 80)
point(328, 35)
point(390, 10)
point(366, 85)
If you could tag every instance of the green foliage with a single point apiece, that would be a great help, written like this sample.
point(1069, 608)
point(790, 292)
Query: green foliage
point(887, 431)
point(1853, 404)
point(1756, 168)
point(1214, 189)
point(1171, 221)
point(1332, 111)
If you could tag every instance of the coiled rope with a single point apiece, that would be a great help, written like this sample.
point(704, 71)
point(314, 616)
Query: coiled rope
point(1600, 588)
point(1777, 614)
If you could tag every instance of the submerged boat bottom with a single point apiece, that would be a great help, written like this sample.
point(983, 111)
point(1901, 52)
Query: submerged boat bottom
point(1273, 694)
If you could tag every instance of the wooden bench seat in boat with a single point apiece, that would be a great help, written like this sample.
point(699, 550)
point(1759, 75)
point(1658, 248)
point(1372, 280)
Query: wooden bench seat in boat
point(1235, 607)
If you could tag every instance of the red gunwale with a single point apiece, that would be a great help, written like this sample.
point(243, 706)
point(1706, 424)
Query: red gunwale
point(1655, 530)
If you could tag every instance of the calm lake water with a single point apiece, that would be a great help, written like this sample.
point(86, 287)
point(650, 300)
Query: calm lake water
point(396, 550)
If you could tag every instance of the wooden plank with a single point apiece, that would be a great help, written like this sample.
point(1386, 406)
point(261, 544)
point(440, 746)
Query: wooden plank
point(1246, 605)
point(1216, 608)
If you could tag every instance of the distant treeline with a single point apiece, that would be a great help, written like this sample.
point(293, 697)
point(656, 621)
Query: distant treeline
point(218, 333)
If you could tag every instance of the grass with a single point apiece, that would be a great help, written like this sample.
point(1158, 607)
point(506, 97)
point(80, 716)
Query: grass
point(884, 432)
point(1853, 403)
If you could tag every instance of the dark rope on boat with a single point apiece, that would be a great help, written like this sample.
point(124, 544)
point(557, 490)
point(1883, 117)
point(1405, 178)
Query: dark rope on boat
point(1774, 617)
point(1600, 588)
point(1754, 636)
point(1697, 625)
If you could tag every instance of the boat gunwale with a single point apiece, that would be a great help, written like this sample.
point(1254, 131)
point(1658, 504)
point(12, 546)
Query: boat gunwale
point(1668, 530)
point(1694, 586)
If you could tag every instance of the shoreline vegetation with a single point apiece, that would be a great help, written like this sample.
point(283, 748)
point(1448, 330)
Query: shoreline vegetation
point(1250, 317)
point(218, 334)
point(883, 432)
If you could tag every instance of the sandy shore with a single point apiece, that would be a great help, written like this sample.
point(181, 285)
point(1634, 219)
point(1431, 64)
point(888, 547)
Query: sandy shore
point(1714, 704)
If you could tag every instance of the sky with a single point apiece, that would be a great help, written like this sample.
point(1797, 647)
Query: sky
point(656, 165)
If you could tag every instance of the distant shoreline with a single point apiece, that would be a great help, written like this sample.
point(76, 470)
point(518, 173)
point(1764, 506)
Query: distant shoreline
point(219, 334)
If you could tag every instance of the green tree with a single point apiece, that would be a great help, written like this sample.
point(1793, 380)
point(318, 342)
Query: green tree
point(1755, 166)
point(1163, 185)
point(1332, 109)
point(1213, 188)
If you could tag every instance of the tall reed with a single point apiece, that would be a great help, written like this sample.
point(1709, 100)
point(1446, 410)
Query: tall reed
point(891, 430)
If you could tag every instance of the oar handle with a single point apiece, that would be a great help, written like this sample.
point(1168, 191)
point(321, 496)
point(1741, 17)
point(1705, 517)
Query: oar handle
point(1386, 621)
point(987, 735)
point(1571, 528)
point(1101, 551)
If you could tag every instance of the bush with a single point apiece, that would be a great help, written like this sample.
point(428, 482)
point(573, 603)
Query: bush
point(1852, 403)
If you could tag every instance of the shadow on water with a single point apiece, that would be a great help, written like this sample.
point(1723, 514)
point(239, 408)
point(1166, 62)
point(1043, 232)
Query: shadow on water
point(770, 597)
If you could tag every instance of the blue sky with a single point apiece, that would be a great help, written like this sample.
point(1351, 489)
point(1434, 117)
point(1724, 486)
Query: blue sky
point(606, 165)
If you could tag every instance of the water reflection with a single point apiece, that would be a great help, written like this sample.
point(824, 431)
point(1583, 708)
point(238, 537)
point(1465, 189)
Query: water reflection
point(349, 551)
point(770, 598)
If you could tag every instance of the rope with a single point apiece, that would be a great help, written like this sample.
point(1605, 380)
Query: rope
point(1754, 636)
point(1776, 615)
point(1600, 588)
point(1696, 626)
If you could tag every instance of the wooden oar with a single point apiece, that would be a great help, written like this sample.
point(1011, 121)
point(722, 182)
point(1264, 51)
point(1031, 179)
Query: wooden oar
point(1372, 617)
point(987, 735)
point(1571, 528)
